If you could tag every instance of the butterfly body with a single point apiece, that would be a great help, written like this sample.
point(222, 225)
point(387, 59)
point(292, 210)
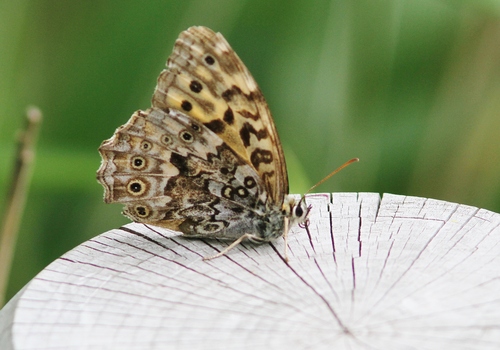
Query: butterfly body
point(205, 160)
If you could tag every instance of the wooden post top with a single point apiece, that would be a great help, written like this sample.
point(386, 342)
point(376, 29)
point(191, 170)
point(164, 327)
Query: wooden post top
point(368, 273)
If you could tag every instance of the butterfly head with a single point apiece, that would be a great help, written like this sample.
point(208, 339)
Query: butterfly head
point(296, 212)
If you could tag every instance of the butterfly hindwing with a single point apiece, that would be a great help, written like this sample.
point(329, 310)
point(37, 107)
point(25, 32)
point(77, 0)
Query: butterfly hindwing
point(173, 172)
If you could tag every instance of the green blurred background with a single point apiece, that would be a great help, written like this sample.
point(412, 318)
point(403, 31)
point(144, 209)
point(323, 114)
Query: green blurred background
point(412, 88)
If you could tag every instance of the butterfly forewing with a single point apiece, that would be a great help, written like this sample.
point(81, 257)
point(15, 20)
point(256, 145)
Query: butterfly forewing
point(207, 80)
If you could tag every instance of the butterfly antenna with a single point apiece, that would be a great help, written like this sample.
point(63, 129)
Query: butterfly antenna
point(349, 162)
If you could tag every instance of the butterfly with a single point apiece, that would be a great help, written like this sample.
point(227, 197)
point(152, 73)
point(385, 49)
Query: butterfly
point(205, 159)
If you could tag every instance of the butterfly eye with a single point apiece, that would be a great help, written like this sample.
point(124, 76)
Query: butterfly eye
point(299, 211)
point(186, 136)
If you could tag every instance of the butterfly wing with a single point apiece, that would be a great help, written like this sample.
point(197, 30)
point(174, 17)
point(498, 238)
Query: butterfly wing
point(174, 172)
point(207, 80)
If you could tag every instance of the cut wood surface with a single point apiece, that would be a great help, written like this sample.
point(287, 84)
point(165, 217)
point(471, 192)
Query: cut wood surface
point(397, 273)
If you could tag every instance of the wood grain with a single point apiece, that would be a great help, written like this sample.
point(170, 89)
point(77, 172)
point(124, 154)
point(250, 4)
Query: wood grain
point(397, 273)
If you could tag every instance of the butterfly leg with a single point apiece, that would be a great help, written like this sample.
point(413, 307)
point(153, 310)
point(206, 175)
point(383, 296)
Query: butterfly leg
point(234, 244)
point(285, 238)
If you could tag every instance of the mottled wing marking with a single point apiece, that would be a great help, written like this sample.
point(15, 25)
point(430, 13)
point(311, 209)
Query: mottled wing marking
point(206, 159)
point(173, 172)
point(207, 80)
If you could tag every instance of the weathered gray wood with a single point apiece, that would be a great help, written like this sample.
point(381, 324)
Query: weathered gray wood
point(403, 273)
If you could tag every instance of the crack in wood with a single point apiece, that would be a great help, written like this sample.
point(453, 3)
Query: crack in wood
point(342, 326)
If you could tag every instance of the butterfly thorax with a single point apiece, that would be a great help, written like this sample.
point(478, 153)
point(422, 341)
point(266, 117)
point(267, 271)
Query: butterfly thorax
point(270, 224)
point(269, 221)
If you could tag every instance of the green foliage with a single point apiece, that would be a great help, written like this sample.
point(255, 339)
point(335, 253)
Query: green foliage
point(412, 88)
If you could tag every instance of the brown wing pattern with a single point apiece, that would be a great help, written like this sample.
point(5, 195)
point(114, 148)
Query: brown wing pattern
point(173, 172)
point(206, 80)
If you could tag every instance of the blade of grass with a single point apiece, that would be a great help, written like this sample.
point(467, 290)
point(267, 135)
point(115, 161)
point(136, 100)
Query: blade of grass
point(18, 193)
